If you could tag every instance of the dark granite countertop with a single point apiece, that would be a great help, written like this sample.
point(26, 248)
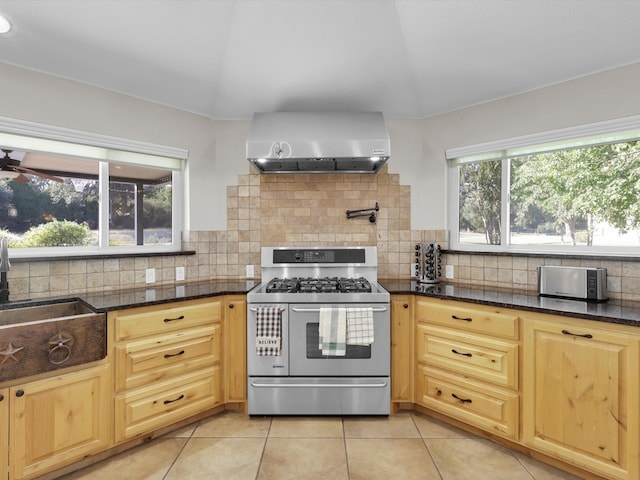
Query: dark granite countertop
point(612, 311)
point(152, 295)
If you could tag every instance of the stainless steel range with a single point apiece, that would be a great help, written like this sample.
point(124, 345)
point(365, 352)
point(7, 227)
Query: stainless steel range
point(318, 336)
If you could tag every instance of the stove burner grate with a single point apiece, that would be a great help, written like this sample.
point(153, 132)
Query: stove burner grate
point(319, 285)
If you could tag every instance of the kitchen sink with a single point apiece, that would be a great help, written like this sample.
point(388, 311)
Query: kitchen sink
point(28, 312)
point(40, 337)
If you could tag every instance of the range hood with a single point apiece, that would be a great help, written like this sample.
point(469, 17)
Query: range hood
point(301, 142)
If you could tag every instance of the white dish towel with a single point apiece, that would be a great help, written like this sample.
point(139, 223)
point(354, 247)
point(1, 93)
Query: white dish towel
point(359, 326)
point(333, 331)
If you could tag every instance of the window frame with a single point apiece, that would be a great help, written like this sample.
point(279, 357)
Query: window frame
point(599, 133)
point(107, 150)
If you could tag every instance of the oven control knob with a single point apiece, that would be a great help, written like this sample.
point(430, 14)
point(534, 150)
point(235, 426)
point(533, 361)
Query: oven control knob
point(297, 256)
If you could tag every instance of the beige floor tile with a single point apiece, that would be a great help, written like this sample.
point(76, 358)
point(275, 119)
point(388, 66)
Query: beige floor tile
point(430, 427)
point(146, 462)
point(233, 424)
point(218, 459)
point(311, 427)
point(542, 471)
point(394, 426)
point(304, 458)
point(475, 459)
point(384, 459)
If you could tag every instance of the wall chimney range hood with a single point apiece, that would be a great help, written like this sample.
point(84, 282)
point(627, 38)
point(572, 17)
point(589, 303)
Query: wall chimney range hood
point(303, 142)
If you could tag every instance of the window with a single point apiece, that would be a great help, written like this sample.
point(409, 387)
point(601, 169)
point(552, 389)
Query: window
point(569, 191)
point(64, 192)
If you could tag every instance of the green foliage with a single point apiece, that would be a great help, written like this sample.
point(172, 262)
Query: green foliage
point(57, 234)
point(480, 188)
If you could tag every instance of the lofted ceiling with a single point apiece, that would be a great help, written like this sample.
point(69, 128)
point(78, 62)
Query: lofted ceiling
point(226, 59)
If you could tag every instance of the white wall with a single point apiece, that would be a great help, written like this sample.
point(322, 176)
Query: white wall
point(217, 147)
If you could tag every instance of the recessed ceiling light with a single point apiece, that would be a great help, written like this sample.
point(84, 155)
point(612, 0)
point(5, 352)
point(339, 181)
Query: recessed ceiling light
point(5, 24)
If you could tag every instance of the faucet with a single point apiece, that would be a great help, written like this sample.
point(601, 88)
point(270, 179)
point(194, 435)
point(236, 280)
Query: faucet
point(5, 266)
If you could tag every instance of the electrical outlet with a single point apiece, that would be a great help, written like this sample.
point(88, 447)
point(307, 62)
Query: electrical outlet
point(179, 274)
point(250, 271)
point(151, 275)
point(448, 271)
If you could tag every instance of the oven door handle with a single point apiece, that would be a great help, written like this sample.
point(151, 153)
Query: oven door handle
point(319, 385)
point(317, 310)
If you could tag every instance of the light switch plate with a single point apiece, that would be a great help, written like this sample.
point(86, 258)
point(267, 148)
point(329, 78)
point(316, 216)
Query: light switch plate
point(151, 275)
point(250, 271)
point(448, 271)
point(179, 274)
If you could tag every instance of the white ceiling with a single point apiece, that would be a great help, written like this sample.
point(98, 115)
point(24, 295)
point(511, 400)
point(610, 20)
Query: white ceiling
point(226, 59)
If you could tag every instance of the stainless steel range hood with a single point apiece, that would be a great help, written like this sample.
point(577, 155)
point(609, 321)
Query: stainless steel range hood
point(302, 142)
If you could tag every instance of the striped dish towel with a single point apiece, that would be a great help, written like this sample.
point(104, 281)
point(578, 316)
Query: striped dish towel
point(359, 326)
point(268, 331)
point(333, 331)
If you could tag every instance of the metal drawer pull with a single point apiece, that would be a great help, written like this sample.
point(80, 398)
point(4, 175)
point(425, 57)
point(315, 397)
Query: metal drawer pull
point(460, 353)
point(463, 400)
point(167, 320)
point(318, 385)
point(166, 402)
point(317, 310)
point(586, 335)
point(466, 319)
point(169, 355)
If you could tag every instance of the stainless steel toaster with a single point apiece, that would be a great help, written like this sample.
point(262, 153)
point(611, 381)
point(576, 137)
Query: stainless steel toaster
point(580, 283)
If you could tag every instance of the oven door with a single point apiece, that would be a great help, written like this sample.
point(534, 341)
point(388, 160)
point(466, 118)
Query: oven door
point(306, 358)
point(266, 365)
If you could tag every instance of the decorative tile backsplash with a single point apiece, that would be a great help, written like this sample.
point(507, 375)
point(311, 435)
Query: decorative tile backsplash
point(303, 210)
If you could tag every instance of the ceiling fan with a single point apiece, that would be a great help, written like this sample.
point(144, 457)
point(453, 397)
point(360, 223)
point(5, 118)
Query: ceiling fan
point(10, 168)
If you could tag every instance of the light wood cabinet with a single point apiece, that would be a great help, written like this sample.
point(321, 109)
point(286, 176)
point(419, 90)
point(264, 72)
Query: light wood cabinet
point(467, 363)
point(58, 420)
point(168, 363)
point(235, 350)
point(581, 393)
point(4, 433)
point(402, 354)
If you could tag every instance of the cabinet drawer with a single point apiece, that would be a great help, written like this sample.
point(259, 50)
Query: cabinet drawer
point(481, 319)
point(148, 408)
point(492, 409)
point(142, 322)
point(471, 355)
point(150, 360)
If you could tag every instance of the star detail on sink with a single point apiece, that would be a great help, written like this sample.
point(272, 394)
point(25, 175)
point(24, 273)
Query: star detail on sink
point(9, 353)
point(60, 340)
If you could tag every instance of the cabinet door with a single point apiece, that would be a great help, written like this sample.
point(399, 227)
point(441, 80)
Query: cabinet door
point(59, 420)
point(4, 432)
point(402, 348)
point(235, 351)
point(580, 395)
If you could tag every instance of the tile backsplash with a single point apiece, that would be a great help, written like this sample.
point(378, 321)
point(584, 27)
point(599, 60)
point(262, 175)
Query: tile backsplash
point(302, 210)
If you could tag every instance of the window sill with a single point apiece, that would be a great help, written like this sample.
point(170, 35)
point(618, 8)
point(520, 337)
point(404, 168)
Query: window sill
point(96, 256)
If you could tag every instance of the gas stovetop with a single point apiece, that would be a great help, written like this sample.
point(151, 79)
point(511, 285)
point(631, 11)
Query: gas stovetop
point(318, 285)
point(319, 275)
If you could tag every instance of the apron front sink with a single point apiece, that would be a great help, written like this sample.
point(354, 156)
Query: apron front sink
point(41, 337)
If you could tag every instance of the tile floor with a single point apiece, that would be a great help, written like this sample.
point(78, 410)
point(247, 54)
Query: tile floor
point(404, 446)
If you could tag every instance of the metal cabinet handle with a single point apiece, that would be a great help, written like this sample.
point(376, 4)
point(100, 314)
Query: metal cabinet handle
point(461, 353)
point(166, 402)
point(167, 320)
point(1, 397)
point(466, 319)
point(169, 355)
point(406, 305)
point(20, 393)
point(463, 400)
point(585, 335)
point(231, 305)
